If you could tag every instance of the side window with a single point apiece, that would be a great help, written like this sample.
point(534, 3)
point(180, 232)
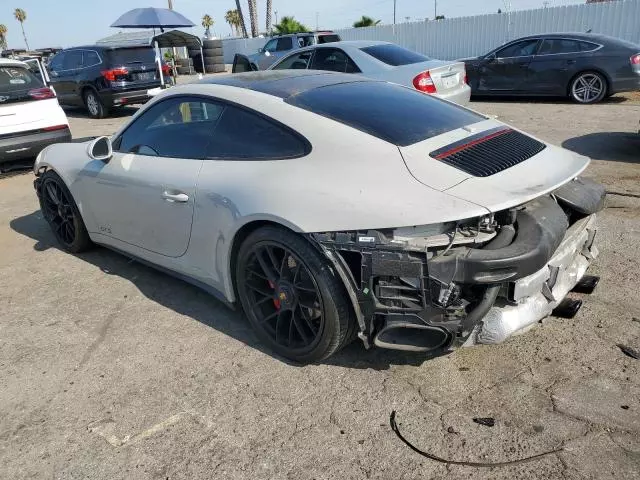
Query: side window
point(91, 58)
point(518, 49)
point(334, 60)
point(72, 60)
point(179, 127)
point(551, 46)
point(243, 135)
point(284, 44)
point(306, 41)
point(298, 61)
point(587, 46)
point(55, 64)
point(271, 45)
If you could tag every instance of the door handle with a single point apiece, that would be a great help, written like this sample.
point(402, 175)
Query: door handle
point(175, 197)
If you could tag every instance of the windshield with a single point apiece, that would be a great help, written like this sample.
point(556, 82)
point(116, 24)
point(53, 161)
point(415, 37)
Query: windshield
point(15, 83)
point(399, 115)
point(394, 55)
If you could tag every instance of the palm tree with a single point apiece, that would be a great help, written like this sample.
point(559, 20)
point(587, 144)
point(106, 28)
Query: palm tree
point(253, 17)
point(289, 25)
point(231, 18)
point(269, 8)
point(241, 19)
point(3, 37)
point(366, 22)
point(21, 16)
point(207, 22)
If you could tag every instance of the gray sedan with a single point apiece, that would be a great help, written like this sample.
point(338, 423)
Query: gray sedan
point(583, 66)
point(385, 61)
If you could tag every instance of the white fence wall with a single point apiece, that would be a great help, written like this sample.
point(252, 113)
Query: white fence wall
point(470, 36)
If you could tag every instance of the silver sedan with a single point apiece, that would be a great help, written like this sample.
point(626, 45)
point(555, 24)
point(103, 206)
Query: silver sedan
point(385, 61)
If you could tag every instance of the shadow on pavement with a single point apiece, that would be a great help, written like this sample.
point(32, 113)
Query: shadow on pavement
point(118, 112)
point(189, 300)
point(611, 146)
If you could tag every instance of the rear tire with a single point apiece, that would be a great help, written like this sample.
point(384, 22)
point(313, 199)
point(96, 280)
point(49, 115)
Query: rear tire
point(215, 68)
point(588, 88)
point(291, 295)
point(93, 104)
point(61, 213)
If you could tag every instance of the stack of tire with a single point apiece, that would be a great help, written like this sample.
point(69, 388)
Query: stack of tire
point(184, 66)
point(213, 57)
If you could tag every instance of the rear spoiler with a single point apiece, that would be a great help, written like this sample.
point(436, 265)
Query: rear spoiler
point(241, 63)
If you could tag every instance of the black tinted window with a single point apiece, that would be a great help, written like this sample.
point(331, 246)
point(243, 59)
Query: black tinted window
point(587, 46)
point(124, 56)
point(15, 82)
point(334, 60)
point(56, 62)
point(72, 60)
point(271, 45)
point(91, 58)
point(393, 113)
point(394, 55)
point(298, 61)
point(551, 46)
point(328, 38)
point(179, 127)
point(284, 44)
point(518, 49)
point(247, 136)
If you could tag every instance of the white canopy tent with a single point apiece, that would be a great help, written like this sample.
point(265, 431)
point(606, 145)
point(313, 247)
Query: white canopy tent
point(175, 38)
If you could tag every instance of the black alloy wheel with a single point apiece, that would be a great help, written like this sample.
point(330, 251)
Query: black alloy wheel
point(61, 213)
point(292, 299)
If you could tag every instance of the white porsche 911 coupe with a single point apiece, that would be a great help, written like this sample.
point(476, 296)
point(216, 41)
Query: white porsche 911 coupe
point(333, 207)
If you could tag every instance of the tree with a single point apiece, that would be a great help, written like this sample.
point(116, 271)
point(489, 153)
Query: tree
point(3, 37)
point(289, 25)
point(243, 28)
point(440, 17)
point(499, 10)
point(232, 18)
point(21, 16)
point(366, 22)
point(269, 9)
point(253, 17)
point(207, 23)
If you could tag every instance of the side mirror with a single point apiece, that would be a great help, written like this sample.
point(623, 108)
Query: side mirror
point(100, 149)
point(261, 50)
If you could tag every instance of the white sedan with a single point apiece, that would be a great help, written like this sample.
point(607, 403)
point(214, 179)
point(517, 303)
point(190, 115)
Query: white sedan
point(408, 222)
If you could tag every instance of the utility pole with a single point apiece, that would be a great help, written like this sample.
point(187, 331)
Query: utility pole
point(317, 14)
point(394, 12)
point(170, 5)
point(276, 14)
point(435, 9)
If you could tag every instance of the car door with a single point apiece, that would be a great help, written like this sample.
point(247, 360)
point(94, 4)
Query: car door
point(274, 50)
point(553, 66)
point(144, 196)
point(333, 60)
point(54, 69)
point(66, 78)
point(507, 70)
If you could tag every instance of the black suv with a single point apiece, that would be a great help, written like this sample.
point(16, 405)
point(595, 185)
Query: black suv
point(101, 77)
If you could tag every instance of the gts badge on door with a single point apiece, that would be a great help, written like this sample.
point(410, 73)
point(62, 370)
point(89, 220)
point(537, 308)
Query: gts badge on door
point(104, 229)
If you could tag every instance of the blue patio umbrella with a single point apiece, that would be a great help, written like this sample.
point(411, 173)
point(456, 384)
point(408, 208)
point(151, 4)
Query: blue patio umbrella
point(151, 17)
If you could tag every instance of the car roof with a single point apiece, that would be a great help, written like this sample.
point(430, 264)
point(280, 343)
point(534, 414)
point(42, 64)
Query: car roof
point(105, 47)
point(593, 37)
point(284, 83)
point(11, 61)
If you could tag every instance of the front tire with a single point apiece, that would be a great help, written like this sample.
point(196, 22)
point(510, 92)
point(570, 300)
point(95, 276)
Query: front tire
point(93, 104)
point(292, 297)
point(62, 214)
point(588, 87)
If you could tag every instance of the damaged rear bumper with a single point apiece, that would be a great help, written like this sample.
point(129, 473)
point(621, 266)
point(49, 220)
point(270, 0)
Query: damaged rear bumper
point(409, 297)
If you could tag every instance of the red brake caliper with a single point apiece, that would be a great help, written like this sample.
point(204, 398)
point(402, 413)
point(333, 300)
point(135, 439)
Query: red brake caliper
point(276, 301)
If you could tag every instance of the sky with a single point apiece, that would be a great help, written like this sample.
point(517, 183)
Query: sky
point(65, 23)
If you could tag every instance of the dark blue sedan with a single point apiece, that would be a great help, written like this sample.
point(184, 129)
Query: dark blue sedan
point(584, 66)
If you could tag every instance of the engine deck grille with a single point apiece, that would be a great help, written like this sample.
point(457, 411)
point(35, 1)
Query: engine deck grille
point(489, 152)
